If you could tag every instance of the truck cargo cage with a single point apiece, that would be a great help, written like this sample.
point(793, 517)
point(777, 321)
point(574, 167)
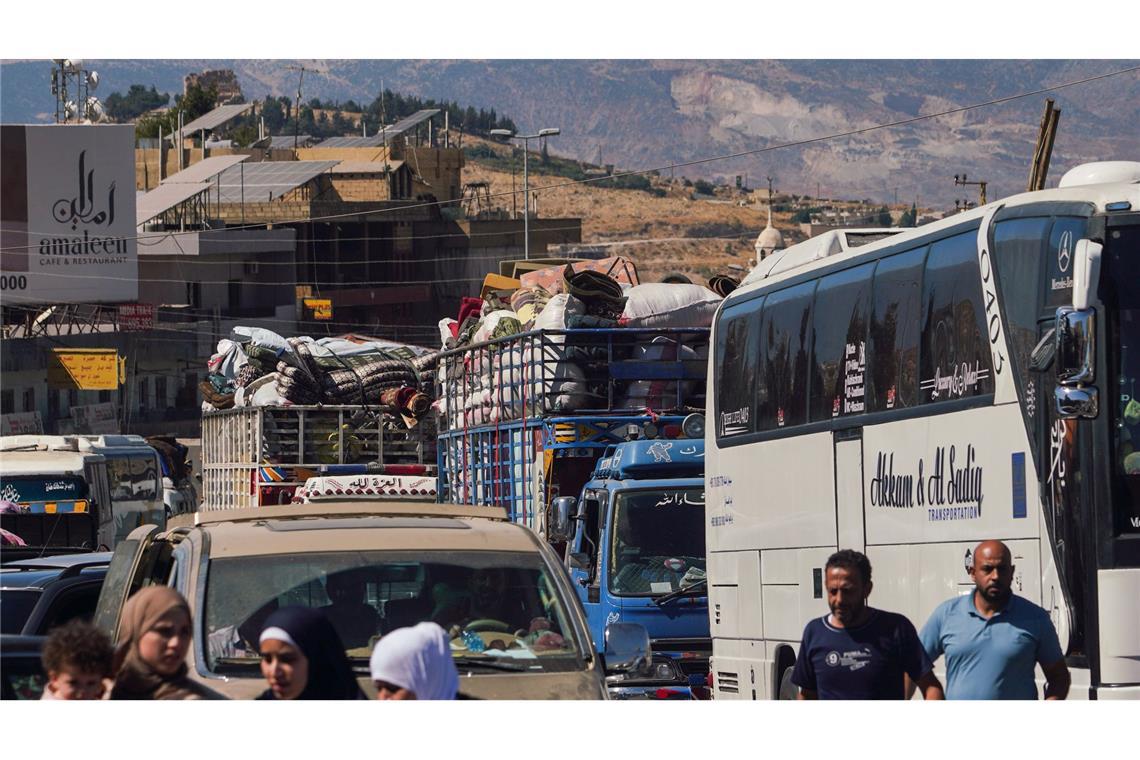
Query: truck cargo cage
point(602, 371)
point(259, 455)
point(524, 417)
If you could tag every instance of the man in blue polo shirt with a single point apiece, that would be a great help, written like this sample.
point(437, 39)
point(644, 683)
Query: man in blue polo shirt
point(858, 652)
point(992, 638)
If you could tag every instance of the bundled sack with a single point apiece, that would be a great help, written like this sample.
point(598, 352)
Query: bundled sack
point(217, 392)
point(601, 294)
point(659, 304)
point(527, 303)
point(660, 395)
point(552, 278)
point(261, 392)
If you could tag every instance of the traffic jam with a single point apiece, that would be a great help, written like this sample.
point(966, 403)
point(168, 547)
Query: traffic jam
point(596, 488)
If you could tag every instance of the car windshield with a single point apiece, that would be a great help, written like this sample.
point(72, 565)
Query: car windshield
point(31, 488)
point(501, 610)
point(16, 607)
point(659, 541)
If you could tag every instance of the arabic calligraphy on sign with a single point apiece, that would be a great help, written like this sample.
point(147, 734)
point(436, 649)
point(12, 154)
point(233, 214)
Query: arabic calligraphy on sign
point(82, 208)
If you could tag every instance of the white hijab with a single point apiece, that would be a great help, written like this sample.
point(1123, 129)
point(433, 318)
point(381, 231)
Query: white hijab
point(417, 659)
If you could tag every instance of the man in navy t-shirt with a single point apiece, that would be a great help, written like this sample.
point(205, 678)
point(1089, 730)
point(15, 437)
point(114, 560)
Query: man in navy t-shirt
point(858, 652)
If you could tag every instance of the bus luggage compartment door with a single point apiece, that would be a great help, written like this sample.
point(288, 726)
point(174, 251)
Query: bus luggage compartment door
point(849, 490)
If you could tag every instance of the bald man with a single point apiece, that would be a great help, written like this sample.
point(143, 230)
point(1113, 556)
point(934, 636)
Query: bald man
point(993, 638)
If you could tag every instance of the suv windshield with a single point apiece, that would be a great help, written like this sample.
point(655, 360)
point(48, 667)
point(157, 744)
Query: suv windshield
point(502, 610)
point(659, 541)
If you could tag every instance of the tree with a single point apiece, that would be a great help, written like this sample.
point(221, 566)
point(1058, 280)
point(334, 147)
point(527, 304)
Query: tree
point(151, 124)
point(275, 111)
point(884, 217)
point(137, 101)
point(909, 217)
point(244, 135)
point(704, 188)
point(198, 101)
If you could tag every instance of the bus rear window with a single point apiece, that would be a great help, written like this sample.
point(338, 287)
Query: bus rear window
point(737, 356)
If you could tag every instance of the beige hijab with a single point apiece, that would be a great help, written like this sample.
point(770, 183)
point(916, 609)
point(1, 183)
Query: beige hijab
point(134, 678)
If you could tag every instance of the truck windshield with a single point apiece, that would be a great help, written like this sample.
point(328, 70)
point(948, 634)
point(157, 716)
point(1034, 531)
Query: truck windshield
point(502, 610)
point(23, 489)
point(659, 541)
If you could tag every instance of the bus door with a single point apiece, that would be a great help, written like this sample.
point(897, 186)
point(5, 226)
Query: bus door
point(849, 489)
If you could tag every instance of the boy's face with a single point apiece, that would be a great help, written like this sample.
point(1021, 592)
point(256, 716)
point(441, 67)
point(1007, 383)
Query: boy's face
point(76, 684)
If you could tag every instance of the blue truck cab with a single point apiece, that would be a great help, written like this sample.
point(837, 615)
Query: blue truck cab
point(636, 554)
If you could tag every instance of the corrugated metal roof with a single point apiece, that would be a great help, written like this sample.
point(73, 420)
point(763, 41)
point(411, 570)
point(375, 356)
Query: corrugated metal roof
point(204, 170)
point(267, 180)
point(365, 167)
point(165, 197)
point(217, 117)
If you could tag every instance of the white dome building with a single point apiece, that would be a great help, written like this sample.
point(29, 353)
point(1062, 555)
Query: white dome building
point(770, 239)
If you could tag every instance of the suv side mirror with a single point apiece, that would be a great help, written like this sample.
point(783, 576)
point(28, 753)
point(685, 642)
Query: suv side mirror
point(562, 528)
point(627, 648)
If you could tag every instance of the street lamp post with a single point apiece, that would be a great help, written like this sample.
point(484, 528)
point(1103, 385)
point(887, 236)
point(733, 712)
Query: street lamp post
point(526, 175)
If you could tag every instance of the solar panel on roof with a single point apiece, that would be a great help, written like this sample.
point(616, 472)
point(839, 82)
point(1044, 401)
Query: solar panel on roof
point(419, 117)
point(287, 141)
point(267, 180)
point(204, 170)
point(165, 197)
point(217, 117)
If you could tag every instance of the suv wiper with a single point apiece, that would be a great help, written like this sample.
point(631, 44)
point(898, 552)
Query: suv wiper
point(482, 662)
point(664, 599)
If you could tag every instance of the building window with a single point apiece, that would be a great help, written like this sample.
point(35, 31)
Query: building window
point(144, 394)
point(104, 396)
point(160, 399)
point(29, 399)
point(7, 401)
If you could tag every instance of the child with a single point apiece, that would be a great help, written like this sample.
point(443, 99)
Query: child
point(77, 657)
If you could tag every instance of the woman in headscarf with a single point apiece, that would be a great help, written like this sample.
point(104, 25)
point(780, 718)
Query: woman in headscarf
point(414, 663)
point(150, 659)
point(302, 657)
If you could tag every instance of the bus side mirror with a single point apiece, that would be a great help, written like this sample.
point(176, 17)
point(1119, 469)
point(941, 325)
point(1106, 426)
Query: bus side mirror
point(562, 528)
point(1074, 351)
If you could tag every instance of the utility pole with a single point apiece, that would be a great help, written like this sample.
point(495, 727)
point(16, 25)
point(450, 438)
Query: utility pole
point(981, 187)
point(1044, 148)
point(300, 80)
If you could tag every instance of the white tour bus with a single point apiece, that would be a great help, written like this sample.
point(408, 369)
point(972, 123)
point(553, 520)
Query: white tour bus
point(973, 378)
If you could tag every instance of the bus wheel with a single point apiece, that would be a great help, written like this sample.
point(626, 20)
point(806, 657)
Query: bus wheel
point(788, 689)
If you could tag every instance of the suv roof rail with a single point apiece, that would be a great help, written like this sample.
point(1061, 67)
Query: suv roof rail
point(347, 508)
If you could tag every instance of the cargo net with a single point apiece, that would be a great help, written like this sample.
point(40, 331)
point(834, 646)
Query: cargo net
point(610, 371)
point(315, 436)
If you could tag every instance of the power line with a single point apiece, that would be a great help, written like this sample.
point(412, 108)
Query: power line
point(676, 165)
